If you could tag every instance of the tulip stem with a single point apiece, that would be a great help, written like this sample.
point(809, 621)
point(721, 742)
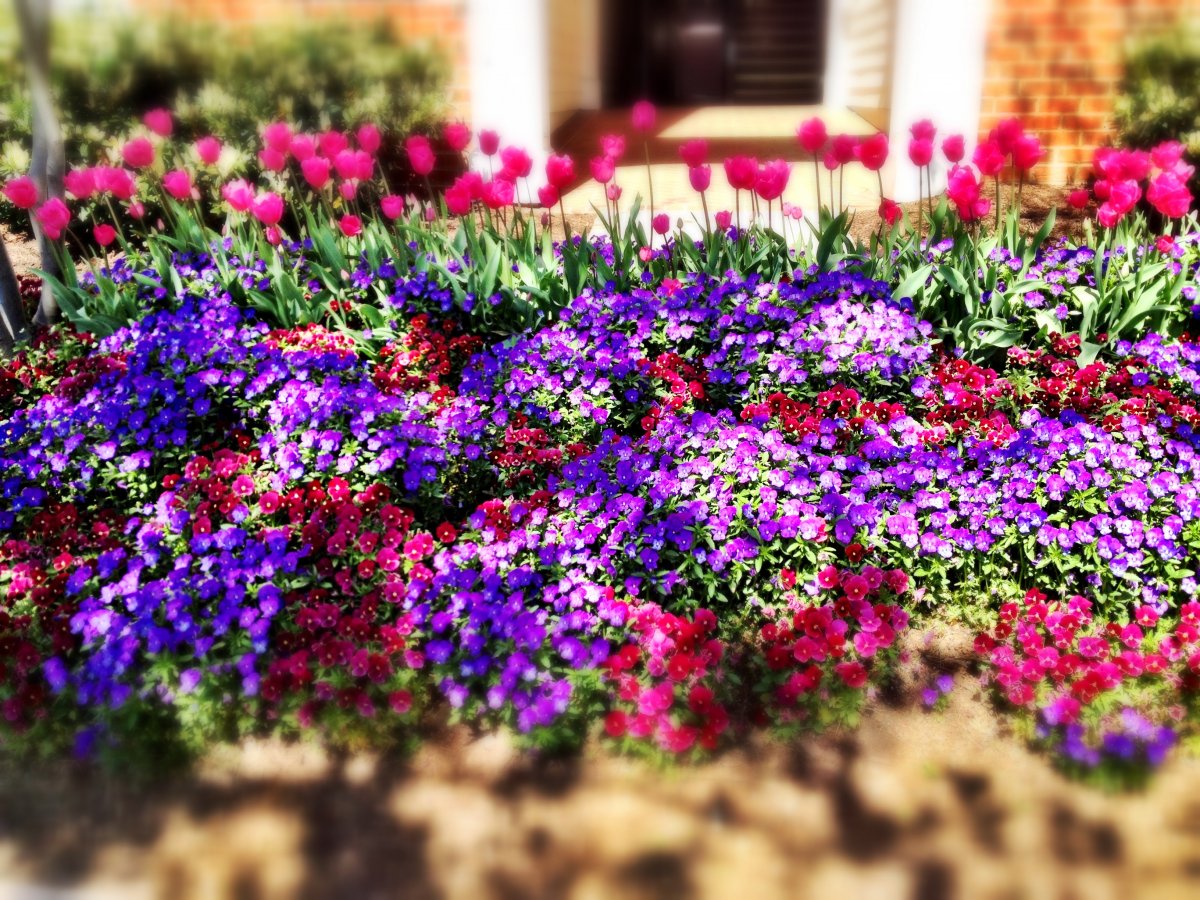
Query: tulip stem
point(817, 175)
point(650, 187)
point(997, 201)
point(562, 211)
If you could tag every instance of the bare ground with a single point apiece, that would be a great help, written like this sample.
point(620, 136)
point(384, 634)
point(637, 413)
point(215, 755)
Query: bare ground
point(913, 804)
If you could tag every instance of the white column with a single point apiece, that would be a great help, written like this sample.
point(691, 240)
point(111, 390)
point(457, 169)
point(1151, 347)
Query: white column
point(937, 74)
point(509, 63)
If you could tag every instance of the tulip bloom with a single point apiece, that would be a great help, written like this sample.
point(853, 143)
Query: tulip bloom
point(923, 130)
point(208, 150)
point(1006, 134)
point(118, 182)
point(1169, 195)
point(54, 217)
point(613, 146)
point(1079, 198)
point(603, 169)
point(812, 135)
point(724, 219)
point(772, 179)
point(741, 172)
point(962, 188)
point(661, 223)
point(159, 121)
point(272, 160)
point(644, 115)
point(22, 192)
point(920, 152)
point(138, 153)
point(420, 154)
point(278, 136)
point(350, 226)
point(694, 153)
point(873, 151)
point(547, 195)
point(1027, 152)
point(1167, 154)
point(346, 165)
point(80, 183)
point(178, 184)
point(331, 143)
point(989, 159)
point(515, 163)
point(369, 139)
point(458, 200)
point(104, 234)
point(844, 147)
point(560, 171)
point(954, 149)
point(268, 208)
point(303, 147)
point(613, 192)
point(392, 206)
point(315, 170)
point(890, 212)
point(700, 177)
point(498, 194)
point(457, 136)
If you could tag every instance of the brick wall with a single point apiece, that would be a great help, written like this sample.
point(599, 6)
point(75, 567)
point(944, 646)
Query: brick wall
point(440, 23)
point(1057, 64)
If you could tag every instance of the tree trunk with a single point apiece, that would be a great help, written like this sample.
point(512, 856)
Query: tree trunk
point(13, 327)
point(49, 158)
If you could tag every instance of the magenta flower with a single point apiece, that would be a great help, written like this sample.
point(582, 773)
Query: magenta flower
point(1169, 194)
point(644, 115)
point(812, 135)
point(872, 152)
point(547, 195)
point(489, 143)
point(54, 217)
point(303, 147)
point(112, 180)
point(724, 218)
point(267, 208)
point(923, 130)
point(178, 184)
point(498, 194)
point(80, 183)
point(844, 148)
point(954, 149)
point(772, 179)
point(1167, 154)
point(159, 121)
point(560, 171)
point(278, 136)
point(104, 234)
point(989, 158)
point(515, 163)
point(22, 192)
point(457, 136)
point(1027, 152)
point(613, 192)
point(346, 165)
point(661, 223)
point(272, 160)
point(208, 149)
point(613, 146)
point(1079, 198)
point(920, 151)
point(694, 153)
point(350, 226)
point(420, 154)
point(315, 170)
point(331, 143)
point(138, 153)
point(392, 206)
point(603, 169)
point(741, 172)
point(890, 211)
point(458, 199)
point(700, 177)
point(369, 139)
point(1006, 134)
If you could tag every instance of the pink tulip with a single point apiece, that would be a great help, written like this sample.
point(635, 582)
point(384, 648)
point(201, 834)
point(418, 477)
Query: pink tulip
point(348, 190)
point(724, 219)
point(137, 210)
point(457, 136)
point(1079, 198)
point(1124, 195)
point(54, 217)
point(844, 148)
point(350, 226)
point(603, 169)
point(278, 137)
point(613, 192)
point(661, 223)
point(516, 164)
point(962, 188)
point(1006, 134)
point(954, 149)
point(498, 194)
point(1169, 195)
point(1027, 152)
point(1108, 215)
point(208, 149)
point(303, 147)
point(159, 121)
point(872, 152)
point(178, 184)
point(104, 234)
point(112, 180)
point(920, 152)
point(694, 153)
point(346, 165)
point(613, 146)
point(138, 153)
point(21, 192)
point(560, 171)
point(700, 177)
point(830, 161)
point(315, 170)
point(1101, 189)
point(772, 180)
point(1167, 154)
point(644, 115)
point(741, 172)
point(890, 212)
point(547, 195)
point(331, 143)
point(369, 139)
point(489, 143)
point(420, 154)
point(458, 200)
point(792, 211)
point(268, 208)
point(365, 169)
point(272, 160)
point(812, 135)
point(472, 183)
point(80, 183)
point(923, 130)
point(392, 206)
point(988, 158)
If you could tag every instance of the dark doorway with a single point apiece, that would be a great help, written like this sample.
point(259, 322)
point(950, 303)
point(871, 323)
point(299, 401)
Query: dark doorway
point(687, 52)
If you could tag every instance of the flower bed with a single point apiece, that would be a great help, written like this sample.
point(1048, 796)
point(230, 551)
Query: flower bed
point(339, 483)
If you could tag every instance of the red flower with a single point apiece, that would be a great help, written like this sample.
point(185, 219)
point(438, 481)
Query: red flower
point(853, 674)
point(694, 152)
point(446, 533)
point(873, 151)
point(616, 723)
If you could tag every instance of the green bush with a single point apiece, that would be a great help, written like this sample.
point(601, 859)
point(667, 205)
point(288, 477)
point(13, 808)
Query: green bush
point(218, 80)
point(1160, 94)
